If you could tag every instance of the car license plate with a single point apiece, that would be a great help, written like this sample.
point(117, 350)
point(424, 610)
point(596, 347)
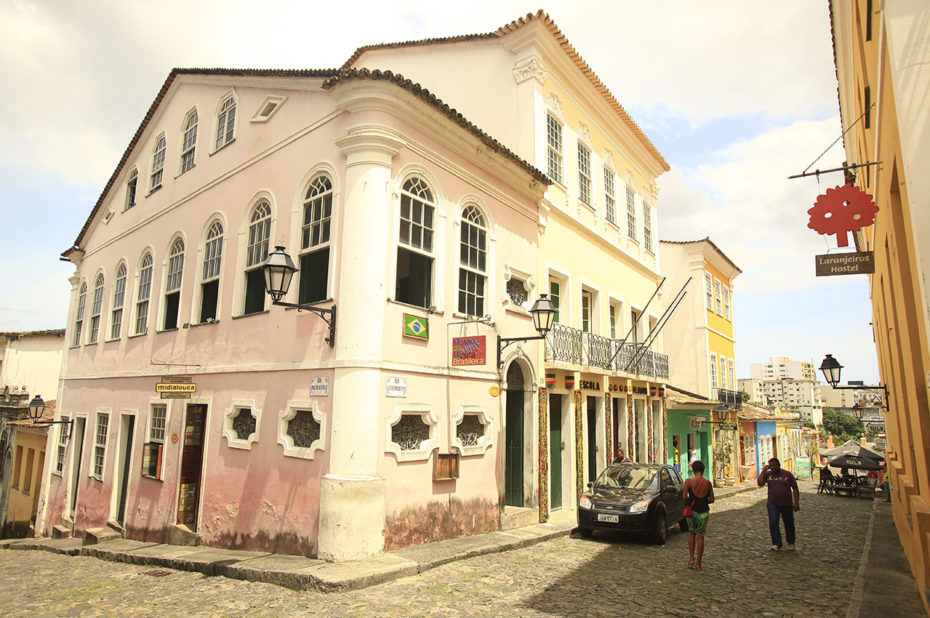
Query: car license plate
point(610, 519)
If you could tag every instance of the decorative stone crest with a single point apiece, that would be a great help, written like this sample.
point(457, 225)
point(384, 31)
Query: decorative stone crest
point(609, 158)
point(584, 133)
point(530, 69)
point(554, 104)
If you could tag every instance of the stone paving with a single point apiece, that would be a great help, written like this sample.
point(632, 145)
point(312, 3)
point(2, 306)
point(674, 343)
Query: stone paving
point(609, 575)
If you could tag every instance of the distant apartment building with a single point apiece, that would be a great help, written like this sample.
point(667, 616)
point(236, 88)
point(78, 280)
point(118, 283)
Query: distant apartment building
point(781, 367)
point(753, 388)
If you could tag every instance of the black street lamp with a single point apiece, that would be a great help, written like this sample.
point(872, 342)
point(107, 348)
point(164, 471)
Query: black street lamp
point(279, 270)
point(831, 369)
point(543, 313)
point(37, 408)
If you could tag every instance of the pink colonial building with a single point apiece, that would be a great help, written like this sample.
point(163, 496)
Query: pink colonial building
point(203, 413)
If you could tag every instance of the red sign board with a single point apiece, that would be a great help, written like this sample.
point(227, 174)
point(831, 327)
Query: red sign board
point(842, 210)
point(469, 351)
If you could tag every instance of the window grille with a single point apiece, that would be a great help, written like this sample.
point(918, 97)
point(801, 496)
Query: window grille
point(410, 432)
point(243, 424)
point(303, 429)
point(470, 430)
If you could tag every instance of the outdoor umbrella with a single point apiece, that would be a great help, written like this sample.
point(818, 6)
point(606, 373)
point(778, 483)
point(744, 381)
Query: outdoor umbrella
point(855, 463)
point(851, 447)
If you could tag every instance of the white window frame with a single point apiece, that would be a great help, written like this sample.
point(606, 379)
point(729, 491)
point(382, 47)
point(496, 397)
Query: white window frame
point(315, 198)
point(714, 384)
point(630, 213)
point(61, 447)
point(434, 229)
point(484, 442)
point(225, 121)
point(132, 189)
point(96, 309)
point(257, 244)
point(426, 447)
point(708, 291)
point(232, 440)
point(261, 115)
point(610, 195)
point(189, 142)
point(727, 313)
point(159, 152)
point(152, 437)
point(100, 445)
point(211, 265)
point(79, 315)
point(117, 310)
point(287, 442)
point(647, 226)
point(731, 369)
point(585, 183)
point(718, 297)
point(555, 160)
point(466, 218)
point(587, 307)
point(143, 303)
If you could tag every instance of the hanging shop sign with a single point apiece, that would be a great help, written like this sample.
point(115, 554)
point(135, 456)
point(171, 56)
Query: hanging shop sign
point(175, 387)
point(469, 351)
point(550, 380)
point(858, 263)
point(416, 327)
point(842, 210)
point(569, 382)
point(319, 386)
point(494, 391)
point(696, 423)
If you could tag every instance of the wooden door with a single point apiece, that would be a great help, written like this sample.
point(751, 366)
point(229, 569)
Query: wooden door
point(592, 438)
point(191, 465)
point(513, 441)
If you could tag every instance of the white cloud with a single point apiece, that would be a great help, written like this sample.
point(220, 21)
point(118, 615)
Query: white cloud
point(743, 200)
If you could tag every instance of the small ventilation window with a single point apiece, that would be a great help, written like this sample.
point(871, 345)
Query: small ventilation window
point(268, 108)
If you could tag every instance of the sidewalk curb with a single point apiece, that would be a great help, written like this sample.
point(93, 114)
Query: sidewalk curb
point(858, 593)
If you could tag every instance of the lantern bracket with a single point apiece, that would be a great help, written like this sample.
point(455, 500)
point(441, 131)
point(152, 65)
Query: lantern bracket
point(328, 315)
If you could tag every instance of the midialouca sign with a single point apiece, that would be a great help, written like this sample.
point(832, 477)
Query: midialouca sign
point(859, 263)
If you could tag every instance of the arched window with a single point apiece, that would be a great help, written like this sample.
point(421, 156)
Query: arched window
point(79, 316)
point(256, 252)
point(143, 294)
point(173, 285)
point(415, 244)
point(158, 162)
point(95, 309)
point(473, 262)
point(189, 144)
point(212, 259)
point(131, 185)
point(314, 241)
point(226, 122)
point(119, 295)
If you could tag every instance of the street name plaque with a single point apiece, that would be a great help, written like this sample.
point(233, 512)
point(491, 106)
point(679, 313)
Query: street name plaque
point(859, 263)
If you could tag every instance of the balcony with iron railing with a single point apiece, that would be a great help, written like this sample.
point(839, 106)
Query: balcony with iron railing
point(572, 346)
point(731, 399)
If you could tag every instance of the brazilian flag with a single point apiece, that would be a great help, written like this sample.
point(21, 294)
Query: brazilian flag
point(415, 326)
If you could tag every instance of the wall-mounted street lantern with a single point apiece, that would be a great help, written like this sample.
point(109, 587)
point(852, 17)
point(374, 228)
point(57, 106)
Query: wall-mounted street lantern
point(37, 408)
point(279, 270)
point(832, 368)
point(543, 313)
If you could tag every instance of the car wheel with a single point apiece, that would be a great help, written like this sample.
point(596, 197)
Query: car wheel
point(586, 532)
point(660, 528)
point(683, 524)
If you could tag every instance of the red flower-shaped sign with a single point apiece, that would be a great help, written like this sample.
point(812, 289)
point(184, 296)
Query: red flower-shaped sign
point(842, 210)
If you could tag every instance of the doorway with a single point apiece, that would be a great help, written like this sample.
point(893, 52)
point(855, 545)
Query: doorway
point(124, 457)
point(592, 438)
point(191, 465)
point(513, 438)
point(77, 455)
point(555, 451)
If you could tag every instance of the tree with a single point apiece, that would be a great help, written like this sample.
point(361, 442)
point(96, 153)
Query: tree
point(842, 426)
point(744, 396)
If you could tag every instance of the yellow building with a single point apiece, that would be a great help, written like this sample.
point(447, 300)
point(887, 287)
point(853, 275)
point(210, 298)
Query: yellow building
point(882, 53)
point(27, 451)
point(700, 342)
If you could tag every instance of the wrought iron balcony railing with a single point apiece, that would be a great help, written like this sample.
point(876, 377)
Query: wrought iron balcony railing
point(730, 399)
point(570, 345)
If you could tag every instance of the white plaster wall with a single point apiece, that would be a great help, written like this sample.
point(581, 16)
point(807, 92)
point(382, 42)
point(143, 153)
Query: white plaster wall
point(33, 362)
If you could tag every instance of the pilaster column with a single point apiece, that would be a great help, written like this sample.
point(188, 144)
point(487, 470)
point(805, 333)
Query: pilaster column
point(352, 495)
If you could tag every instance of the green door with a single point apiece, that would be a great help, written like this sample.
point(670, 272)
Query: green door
point(592, 438)
point(513, 440)
point(555, 450)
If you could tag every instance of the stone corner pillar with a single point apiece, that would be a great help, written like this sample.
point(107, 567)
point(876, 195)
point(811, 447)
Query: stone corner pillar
point(352, 517)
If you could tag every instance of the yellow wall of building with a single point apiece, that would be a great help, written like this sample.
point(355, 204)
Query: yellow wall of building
point(28, 462)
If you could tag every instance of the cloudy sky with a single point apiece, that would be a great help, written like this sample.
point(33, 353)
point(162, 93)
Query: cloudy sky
point(736, 95)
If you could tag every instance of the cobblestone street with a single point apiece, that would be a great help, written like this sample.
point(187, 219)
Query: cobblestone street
point(566, 576)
